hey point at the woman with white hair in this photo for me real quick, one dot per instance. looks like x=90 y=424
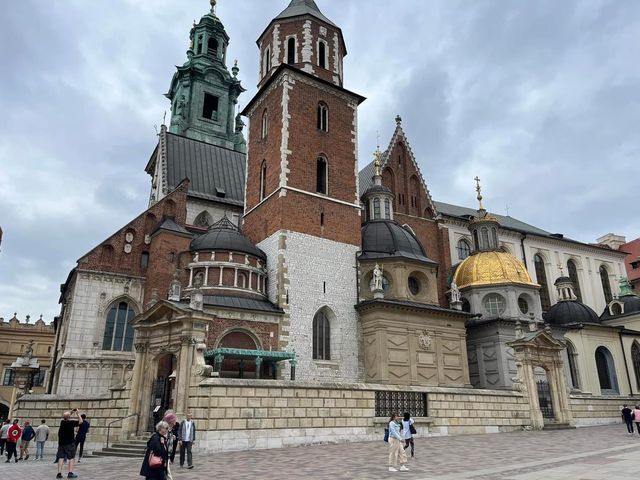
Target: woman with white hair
x=154 y=465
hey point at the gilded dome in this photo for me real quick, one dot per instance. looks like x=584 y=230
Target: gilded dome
x=491 y=268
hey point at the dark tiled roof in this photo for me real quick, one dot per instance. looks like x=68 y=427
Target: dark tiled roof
x=241 y=303
x=215 y=173
x=304 y=7
x=171 y=226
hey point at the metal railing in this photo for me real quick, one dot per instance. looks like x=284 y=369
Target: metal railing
x=116 y=421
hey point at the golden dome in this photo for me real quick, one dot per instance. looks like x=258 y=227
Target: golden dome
x=491 y=268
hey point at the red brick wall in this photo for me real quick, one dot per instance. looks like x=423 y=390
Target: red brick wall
x=220 y=326
x=165 y=246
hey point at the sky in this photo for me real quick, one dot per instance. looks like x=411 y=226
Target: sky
x=540 y=99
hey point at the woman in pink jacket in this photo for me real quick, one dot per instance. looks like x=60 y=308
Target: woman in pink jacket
x=636 y=417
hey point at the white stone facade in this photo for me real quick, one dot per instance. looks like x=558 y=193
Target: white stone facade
x=82 y=366
x=307 y=273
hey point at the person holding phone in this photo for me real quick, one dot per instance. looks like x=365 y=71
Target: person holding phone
x=66 y=441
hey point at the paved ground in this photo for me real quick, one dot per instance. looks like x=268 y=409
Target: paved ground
x=584 y=454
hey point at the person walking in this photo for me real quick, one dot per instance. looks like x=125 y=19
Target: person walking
x=42 y=435
x=626 y=414
x=408 y=430
x=173 y=433
x=27 y=435
x=81 y=436
x=171 y=420
x=4 y=432
x=396 y=445
x=13 y=437
x=187 y=437
x=635 y=415
x=66 y=444
x=156 y=457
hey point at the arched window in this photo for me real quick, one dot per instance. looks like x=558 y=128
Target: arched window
x=265 y=124
x=263 y=180
x=323 y=117
x=464 y=249
x=267 y=61
x=199 y=46
x=321 y=176
x=202 y=220
x=541 y=276
x=606 y=286
x=635 y=358
x=494 y=237
x=606 y=371
x=376 y=208
x=212 y=47
x=106 y=257
x=322 y=54
x=118 y=332
x=321 y=336
x=484 y=234
x=573 y=275
x=291 y=51
x=466 y=306
x=387 y=209
x=573 y=364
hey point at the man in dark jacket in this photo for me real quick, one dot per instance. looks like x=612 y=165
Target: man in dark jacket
x=27 y=435
x=628 y=418
x=81 y=436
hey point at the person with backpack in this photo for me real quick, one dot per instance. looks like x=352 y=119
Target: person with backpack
x=408 y=431
x=13 y=437
x=27 y=435
x=396 y=445
x=626 y=414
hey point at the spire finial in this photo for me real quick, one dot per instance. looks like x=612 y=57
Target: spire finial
x=479 y=190
x=398 y=120
x=213 y=6
x=377 y=163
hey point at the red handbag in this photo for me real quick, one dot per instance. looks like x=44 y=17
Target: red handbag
x=155 y=461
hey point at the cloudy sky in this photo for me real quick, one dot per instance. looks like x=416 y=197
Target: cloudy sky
x=541 y=99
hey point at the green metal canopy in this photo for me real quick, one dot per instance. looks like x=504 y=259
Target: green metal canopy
x=220 y=354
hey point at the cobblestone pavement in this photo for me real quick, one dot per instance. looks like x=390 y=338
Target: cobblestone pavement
x=584 y=454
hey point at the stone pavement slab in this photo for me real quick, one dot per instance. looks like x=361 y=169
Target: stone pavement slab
x=582 y=454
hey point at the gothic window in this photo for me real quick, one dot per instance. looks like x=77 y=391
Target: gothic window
x=322 y=54
x=541 y=276
x=118 y=332
x=387 y=209
x=265 y=124
x=321 y=176
x=144 y=260
x=573 y=365
x=494 y=304
x=106 y=257
x=376 y=208
x=263 y=180
x=464 y=249
x=635 y=358
x=8 y=377
x=202 y=220
x=323 y=117
x=210 y=107
x=573 y=275
x=321 y=337
x=606 y=286
x=212 y=47
x=606 y=371
x=291 y=51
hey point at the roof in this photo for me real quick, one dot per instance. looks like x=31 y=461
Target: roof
x=215 y=173
x=631 y=306
x=570 y=312
x=224 y=235
x=241 y=303
x=491 y=268
x=417 y=305
x=385 y=239
x=304 y=7
x=169 y=225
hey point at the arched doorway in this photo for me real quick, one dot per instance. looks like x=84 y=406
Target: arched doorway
x=545 y=399
x=4 y=412
x=606 y=372
x=238 y=368
x=163 y=389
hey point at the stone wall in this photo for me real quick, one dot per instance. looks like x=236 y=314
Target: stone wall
x=100 y=411
x=590 y=410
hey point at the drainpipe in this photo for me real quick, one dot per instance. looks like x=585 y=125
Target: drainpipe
x=626 y=366
x=524 y=255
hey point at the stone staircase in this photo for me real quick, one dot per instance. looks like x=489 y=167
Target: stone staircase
x=557 y=426
x=132 y=448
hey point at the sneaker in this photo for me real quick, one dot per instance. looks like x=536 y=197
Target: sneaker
x=59 y=475
x=79 y=460
x=393 y=469
x=72 y=475
x=7 y=461
x=189 y=467
x=403 y=468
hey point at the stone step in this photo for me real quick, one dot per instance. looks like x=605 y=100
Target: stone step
x=121 y=452
x=558 y=426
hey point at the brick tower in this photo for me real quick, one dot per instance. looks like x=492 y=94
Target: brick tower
x=301 y=199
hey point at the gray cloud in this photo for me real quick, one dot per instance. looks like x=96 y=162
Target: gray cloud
x=538 y=98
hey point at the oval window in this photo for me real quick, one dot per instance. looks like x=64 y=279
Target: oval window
x=523 y=305
x=414 y=285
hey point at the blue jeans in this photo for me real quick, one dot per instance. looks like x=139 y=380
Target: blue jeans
x=39 y=449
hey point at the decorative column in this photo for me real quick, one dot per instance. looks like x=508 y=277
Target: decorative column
x=131 y=425
x=258 y=365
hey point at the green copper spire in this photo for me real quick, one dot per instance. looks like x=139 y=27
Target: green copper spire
x=203 y=92
x=625 y=287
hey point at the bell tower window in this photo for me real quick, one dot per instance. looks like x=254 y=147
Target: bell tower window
x=321 y=171
x=263 y=180
x=267 y=61
x=322 y=54
x=323 y=117
x=199 y=46
x=265 y=125
x=291 y=51
x=210 y=107
x=212 y=48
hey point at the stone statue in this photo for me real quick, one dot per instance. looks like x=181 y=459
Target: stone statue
x=455 y=292
x=28 y=353
x=239 y=124
x=377 y=278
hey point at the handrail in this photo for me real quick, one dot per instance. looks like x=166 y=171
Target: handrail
x=115 y=421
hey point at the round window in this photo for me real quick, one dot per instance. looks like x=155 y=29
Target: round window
x=523 y=305
x=414 y=285
x=494 y=304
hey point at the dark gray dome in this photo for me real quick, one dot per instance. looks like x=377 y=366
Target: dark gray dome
x=562 y=280
x=631 y=305
x=377 y=189
x=224 y=235
x=386 y=239
x=564 y=313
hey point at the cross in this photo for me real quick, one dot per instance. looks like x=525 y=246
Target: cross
x=479 y=190
x=378 y=139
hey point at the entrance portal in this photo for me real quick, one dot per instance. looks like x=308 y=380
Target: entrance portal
x=163 y=390
x=4 y=412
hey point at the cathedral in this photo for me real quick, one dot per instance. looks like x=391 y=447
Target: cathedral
x=269 y=255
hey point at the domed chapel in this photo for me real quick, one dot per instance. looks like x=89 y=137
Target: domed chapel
x=267 y=257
